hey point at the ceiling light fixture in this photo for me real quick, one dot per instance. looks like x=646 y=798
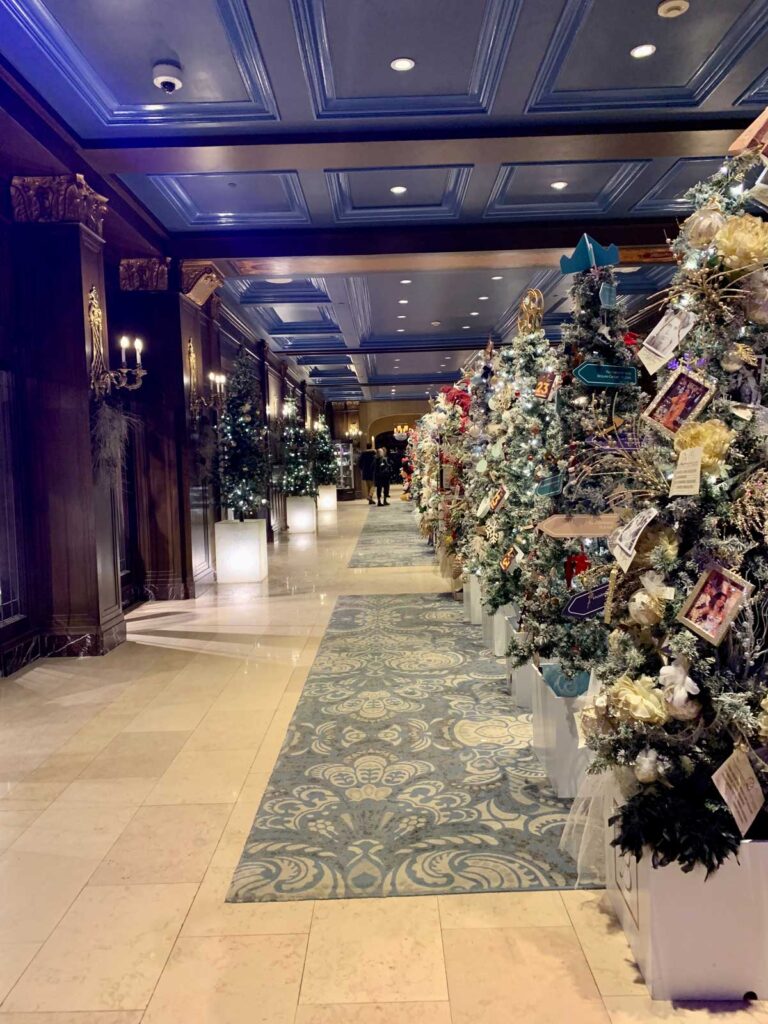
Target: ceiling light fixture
x=497 y=278
x=482 y=298
x=672 y=8
x=642 y=51
x=465 y=327
x=474 y=314
x=436 y=323
x=402 y=302
x=279 y=280
x=402 y=64
x=398 y=190
x=558 y=185
x=401 y=316
x=406 y=280
x=400 y=330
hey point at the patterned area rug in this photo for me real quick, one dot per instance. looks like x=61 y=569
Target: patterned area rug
x=391 y=537
x=405 y=770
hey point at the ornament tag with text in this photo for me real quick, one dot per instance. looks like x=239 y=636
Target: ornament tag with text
x=739 y=787
x=498 y=498
x=687 y=476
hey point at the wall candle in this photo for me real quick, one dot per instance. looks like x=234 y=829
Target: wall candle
x=138 y=345
x=124 y=343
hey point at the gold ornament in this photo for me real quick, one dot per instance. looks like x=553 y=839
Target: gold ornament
x=644 y=608
x=531 y=314
x=743 y=242
x=702 y=226
x=655 y=536
x=712 y=436
x=762 y=720
x=757 y=297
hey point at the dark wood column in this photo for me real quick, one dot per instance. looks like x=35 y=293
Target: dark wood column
x=60 y=323
x=173 y=492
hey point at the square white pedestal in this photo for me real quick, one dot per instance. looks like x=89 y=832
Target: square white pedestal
x=327 y=498
x=475 y=605
x=301 y=512
x=694 y=938
x=556 y=740
x=495 y=632
x=521 y=682
x=466 y=602
x=241 y=551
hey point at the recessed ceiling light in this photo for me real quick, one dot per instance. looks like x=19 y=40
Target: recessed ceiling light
x=672 y=8
x=402 y=302
x=642 y=51
x=279 y=280
x=398 y=190
x=401 y=316
x=465 y=327
x=474 y=314
x=406 y=280
x=402 y=64
x=400 y=330
x=482 y=298
x=436 y=323
x=497 y=278
x=559 y=185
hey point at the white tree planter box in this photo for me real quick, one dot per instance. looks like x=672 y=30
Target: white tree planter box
x=694 y=938
x=302 y=514
x=327 y=498
x=521 y=683
x=475 y=604
x=556 y=739
x=241 y=551
x=466 y=602
x=495 y=632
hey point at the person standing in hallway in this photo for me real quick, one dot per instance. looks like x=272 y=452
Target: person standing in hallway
x=382 y=474
x=367 y=465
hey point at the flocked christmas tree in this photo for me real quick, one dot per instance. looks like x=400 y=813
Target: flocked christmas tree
x=325 y=461
x=243 y=466
x=297 y=478
x=684 y=683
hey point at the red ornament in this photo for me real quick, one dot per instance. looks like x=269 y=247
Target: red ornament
x=631 y=339
x=574 y=566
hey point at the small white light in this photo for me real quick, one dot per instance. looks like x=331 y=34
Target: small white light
x=436 y=323
x=402 y=64
x=400 y=330
x=279 y=280
x=642 y=51
x=497 y=278
x=482 y=298
x=398 y=190
x=465 y=327
x=558 y=185
x=402 y=302
x=474 y=314
x=125 y=341
x=406 y=280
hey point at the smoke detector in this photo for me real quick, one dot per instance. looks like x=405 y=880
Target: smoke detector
x=672 y=8
x=166 y=76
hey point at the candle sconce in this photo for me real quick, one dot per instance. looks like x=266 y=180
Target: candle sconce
x=103 y=380
x=217 y=381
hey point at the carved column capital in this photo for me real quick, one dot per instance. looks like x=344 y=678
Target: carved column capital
x=147 y=274
x=60 y=198
x=199 y=280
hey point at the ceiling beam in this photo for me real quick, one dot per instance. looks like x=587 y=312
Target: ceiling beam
x=321 y=251
x=196 y=156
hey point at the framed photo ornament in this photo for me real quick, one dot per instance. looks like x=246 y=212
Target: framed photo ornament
x=713 y=604
x=682 y=399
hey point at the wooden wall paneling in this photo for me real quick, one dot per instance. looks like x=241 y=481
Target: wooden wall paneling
x=74 y=532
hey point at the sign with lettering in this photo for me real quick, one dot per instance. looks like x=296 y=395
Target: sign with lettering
x=561 y=527
x=498 y=499
x=587 y=604
x=551 y=485
x=601 y=375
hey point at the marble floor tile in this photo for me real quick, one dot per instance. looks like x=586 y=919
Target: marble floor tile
x=106 y=1017
x=230 y=979
x=223 y=729
x=36 y=890
x=210 y=915
x=14 y=959
x=141 y=755
x=8 y=835
x=83 y=831
x=203 y=777
x=605 y=946
x=179 y=717
x=108 y=951
x=374 y=1013
x=502 y=910
x=540 y=972
x=375 y=951
x=164 y=844
x=126 y=792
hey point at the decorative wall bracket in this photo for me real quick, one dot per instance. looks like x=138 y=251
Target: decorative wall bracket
x=198 y=402
x=148 y=274
x=60 y=198
x=103 y=380
x=199 y=280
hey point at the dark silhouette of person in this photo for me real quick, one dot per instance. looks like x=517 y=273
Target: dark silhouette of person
x=382 y=474
x=367 y=466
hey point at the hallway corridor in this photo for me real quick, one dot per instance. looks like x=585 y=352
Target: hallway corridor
x=129 y=785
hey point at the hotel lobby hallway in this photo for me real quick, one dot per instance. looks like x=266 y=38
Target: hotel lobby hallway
x=129 y=786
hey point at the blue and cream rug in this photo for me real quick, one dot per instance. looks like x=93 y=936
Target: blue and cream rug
x=390 y=537
x=405 y=770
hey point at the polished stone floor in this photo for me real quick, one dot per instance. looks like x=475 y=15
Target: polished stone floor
x=127 y=788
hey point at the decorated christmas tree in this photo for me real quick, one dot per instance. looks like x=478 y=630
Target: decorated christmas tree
x=243 y=465
x=325 y=462
x=595 y=406
x=297 y=478
x=682 y=713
